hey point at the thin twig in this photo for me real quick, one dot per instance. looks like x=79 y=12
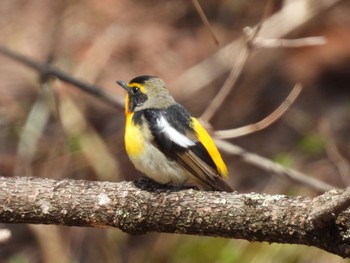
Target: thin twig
x=274 y=27
x=32 y=131
x=273 y=117
x=205 y=20
x=47 y=70
x=289 y=43
x=235 y=72
x=340 y=162
x=273 y=167
x=226 y=88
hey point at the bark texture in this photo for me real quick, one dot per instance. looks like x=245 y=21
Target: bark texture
x=141 y=207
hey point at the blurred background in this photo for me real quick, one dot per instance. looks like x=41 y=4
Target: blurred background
x=50 y=129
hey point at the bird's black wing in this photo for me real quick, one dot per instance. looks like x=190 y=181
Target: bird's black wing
x=175 y=137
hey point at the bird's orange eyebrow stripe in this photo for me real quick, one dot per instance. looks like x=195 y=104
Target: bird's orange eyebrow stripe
x=137 y=85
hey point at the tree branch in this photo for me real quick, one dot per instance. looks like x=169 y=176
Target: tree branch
x=205 y=20
x=46 y=71
x=141 y=207
x=276 y=168
x=278 y=25
x=264 y=123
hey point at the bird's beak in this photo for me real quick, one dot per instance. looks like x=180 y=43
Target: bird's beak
x=123 y=85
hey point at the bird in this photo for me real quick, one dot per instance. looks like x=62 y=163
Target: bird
x=165 y=142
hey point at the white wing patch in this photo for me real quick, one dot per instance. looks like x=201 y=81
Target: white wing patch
x=172 y=134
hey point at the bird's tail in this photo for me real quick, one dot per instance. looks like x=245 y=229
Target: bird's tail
x=220 y=185
x=215 y=184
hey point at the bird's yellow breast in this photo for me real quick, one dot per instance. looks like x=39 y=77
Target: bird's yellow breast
x=134 y=141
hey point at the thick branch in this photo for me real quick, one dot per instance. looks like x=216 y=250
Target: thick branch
x=138 y=208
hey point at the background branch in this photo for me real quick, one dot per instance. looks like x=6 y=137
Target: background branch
x=205 y=20
x=274 y=27
x=273 y=167
x=289 y=43
x=264 y=123
x=142 y=207
x=46 y=71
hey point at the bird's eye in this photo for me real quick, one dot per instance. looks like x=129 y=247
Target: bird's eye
x=135 y=90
